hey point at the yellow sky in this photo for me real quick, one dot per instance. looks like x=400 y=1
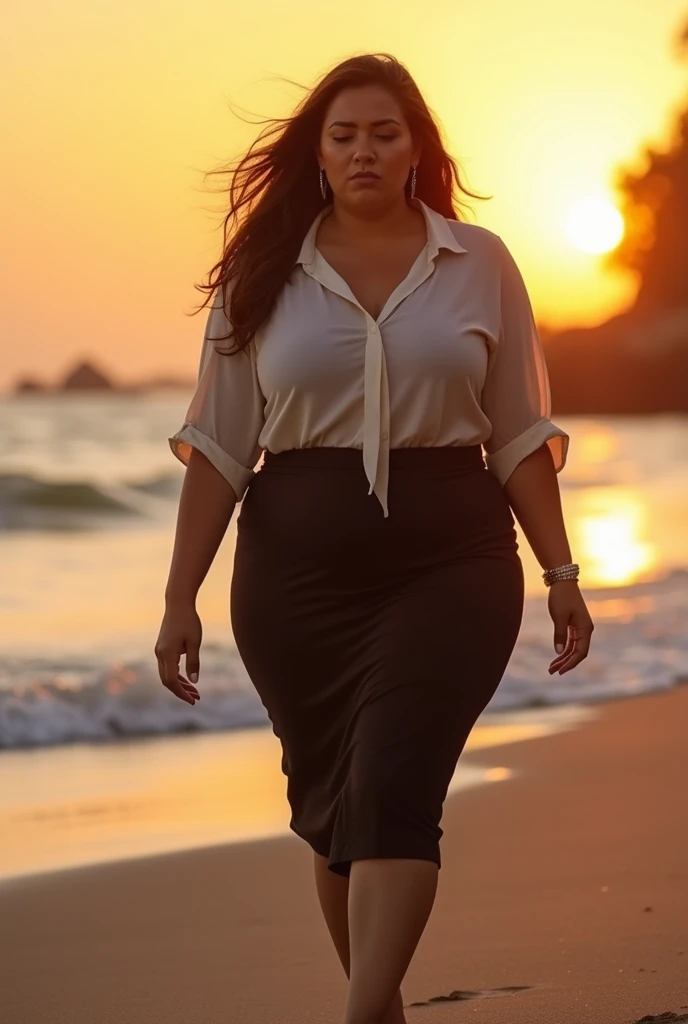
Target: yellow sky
x=111 y=111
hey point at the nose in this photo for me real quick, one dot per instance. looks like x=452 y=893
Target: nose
x=364 y=153
x=363 y=163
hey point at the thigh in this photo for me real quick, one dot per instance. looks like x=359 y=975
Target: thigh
x=453 y=629
x=442 y=648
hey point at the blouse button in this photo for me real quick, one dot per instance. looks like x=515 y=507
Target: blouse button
x=385 y=435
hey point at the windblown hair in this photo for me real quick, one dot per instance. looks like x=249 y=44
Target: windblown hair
x=274 y=190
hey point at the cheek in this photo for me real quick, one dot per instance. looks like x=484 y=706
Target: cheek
x=335 y=156
x=397 y=155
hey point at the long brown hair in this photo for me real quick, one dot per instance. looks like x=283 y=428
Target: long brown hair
x=274 y=191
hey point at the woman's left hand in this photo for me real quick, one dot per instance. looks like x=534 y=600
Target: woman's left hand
x=572 y=625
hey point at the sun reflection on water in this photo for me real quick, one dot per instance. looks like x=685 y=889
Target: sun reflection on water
x=612 y=528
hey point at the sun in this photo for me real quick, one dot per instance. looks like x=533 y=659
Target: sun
x=594 y=225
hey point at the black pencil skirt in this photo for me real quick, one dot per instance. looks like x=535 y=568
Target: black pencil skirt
x=374 y=643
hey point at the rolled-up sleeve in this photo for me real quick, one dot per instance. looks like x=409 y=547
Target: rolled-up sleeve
x=516 y=395
x=226 y=414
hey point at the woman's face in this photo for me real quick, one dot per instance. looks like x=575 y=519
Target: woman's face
x=365 y=130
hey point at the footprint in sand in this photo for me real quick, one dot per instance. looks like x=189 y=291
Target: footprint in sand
x=663 y=1018
x=467 y=993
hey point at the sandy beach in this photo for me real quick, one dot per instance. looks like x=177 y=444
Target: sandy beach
x=563 y=897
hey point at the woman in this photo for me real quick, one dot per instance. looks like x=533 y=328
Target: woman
x=377 y=591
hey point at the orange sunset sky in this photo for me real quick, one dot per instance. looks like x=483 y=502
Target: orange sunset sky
x=112 y=111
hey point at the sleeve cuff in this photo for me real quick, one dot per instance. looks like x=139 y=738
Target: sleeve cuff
x=503 y=462
x=190 y=437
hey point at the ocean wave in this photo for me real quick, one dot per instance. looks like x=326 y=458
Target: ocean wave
x=29 y=502
x=81 y=702
x=640 y=645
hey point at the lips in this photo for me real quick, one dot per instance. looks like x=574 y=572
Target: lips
x=366 y=174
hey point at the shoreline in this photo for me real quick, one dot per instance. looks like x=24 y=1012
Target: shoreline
x=562 y=897
x=164 y=794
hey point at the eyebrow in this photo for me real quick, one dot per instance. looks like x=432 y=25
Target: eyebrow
x=352 y=124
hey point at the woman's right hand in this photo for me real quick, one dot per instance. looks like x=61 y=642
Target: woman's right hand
x=180 y=633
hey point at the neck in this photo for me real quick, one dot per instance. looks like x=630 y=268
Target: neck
x=382 y=222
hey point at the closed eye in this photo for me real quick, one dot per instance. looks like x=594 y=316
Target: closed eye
x=345 y=138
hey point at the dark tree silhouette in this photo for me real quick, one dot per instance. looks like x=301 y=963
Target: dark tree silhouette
x=655 y=209
x=636 y=362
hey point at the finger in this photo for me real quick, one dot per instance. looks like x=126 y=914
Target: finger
x=192 y=662
x=569 y=649
x=571 y=663
x=189 y=687
x=573 y=634
x=573 y=646
x=561 y=639
x=178 y=690
x=560 y=662
x=170 y=667
x=580 y=653
x=565 y=657
x=170 y=676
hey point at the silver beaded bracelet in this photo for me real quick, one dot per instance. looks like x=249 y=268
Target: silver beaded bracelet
x=561 y=572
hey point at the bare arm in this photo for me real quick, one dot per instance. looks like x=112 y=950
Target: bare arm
x=206 y=505
x=533 y=493
x=532 y=490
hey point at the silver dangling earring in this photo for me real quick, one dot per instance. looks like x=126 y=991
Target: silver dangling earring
x=323 y=184
x=413 y=183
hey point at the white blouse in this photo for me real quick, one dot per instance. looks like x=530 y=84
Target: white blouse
x=454 y=358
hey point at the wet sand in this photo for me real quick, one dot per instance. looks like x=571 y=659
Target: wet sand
x=563 y=897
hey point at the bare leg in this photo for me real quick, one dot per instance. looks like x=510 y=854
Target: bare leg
x=389 y=905
x=333 y=893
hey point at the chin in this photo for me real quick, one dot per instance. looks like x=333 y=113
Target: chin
x=371 y=195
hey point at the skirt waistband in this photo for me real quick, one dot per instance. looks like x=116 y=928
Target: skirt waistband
x=422 y=458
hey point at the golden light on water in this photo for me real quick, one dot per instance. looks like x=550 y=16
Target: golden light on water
x=594 y=225
x=597 y=447
x=621 y=609
x=612 y=529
